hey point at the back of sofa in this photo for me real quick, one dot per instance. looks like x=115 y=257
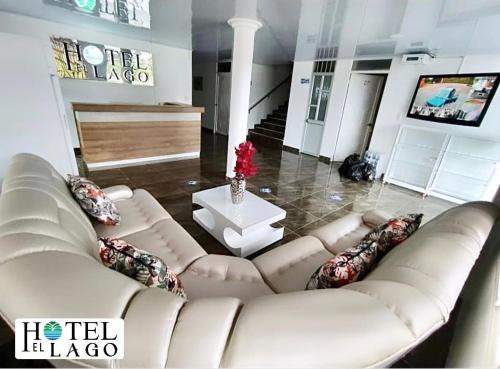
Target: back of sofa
x=36 y=200
x=48 y=246
x=373 y=322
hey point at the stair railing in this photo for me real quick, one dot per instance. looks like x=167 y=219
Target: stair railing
x=270 y=92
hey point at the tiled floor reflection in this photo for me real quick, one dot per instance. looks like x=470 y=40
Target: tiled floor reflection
x=311 y=192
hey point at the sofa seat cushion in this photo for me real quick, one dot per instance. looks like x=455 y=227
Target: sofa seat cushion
x=140 y=265
x=290 y=266
x=342 y=233
x=223 y=276
x=149 y=227
x=170 y=242
x=316 y=329
x=138 y=213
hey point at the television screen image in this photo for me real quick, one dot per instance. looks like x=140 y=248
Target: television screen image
x=461 y=99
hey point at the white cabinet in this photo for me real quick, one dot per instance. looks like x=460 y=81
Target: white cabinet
x=452 y=167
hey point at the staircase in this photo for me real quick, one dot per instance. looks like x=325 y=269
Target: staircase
x=271 y=130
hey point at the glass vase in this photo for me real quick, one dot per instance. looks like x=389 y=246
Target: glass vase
x=237 y=186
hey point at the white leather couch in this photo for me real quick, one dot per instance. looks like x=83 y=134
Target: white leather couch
x=240 y=313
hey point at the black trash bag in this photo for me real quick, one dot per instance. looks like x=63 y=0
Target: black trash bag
x=352 y=168
x=369 y=172
x=350 y=160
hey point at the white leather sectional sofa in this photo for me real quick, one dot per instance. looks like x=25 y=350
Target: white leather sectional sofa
x=239 y=313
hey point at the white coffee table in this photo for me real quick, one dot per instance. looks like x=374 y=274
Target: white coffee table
x=243 y=228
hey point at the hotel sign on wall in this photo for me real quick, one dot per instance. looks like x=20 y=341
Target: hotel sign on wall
x=132 y=12
x=77 y=59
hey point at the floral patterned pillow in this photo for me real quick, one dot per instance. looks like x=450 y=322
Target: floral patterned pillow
x=395 y=231
x=93 y=200
x=139 y=265
x=349 y=266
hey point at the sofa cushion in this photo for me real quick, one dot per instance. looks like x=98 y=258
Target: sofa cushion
x=349 y=266
x=170 y=242
x=93 y=200
x=138 y=213
x=148 y=269
x=393 y=232
x=289 y=267
x=224 y=276
x=342 y=233
x=316 y=329
x=148 y=226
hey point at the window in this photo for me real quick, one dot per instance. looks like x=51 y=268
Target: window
x=320 y=94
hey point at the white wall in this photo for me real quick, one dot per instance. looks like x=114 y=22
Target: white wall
x=400 y=85
x=335 y=108
x=31 y=118
x=297 y=104
x=172 y=66
x=299 y=98
x=264 y=79
x=206 y=97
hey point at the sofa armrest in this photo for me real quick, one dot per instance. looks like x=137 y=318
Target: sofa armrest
x=374 y=218
x=116 y=193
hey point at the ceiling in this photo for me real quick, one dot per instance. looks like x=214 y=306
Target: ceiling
x=305 y=29
x=365 y=29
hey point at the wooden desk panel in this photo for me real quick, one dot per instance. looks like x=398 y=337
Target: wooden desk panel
x=133 y=108
x=114 y=141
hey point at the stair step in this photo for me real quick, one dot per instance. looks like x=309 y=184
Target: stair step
x=259 y=139
x=269 y=132
x=272 y=126
x=279 y=114
x=266 y=120
x=274 y=119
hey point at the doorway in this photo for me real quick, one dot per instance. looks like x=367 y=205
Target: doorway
x=360 y=112
x=223 y=101
x=316 y=113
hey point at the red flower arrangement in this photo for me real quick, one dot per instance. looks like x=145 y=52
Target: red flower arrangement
x=244 y=154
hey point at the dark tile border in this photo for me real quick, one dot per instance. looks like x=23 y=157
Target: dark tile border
x=324 y=159
x=291 y=149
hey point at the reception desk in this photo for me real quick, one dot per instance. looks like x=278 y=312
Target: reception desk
x=114 y=135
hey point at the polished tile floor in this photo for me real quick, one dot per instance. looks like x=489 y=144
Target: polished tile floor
x=311 y=192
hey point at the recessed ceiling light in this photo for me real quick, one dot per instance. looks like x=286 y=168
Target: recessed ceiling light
x=265 y=189
x=192 y=183
x=335 y=196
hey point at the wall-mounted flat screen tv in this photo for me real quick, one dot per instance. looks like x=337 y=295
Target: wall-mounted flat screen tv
x=461 y=99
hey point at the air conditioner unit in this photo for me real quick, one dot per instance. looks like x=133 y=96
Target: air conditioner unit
x=417 y=58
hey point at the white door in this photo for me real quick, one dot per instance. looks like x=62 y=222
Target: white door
x=360 y=111
x=316 y=113
x=223 y=101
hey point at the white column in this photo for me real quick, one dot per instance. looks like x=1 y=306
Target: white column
x=241 y=77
